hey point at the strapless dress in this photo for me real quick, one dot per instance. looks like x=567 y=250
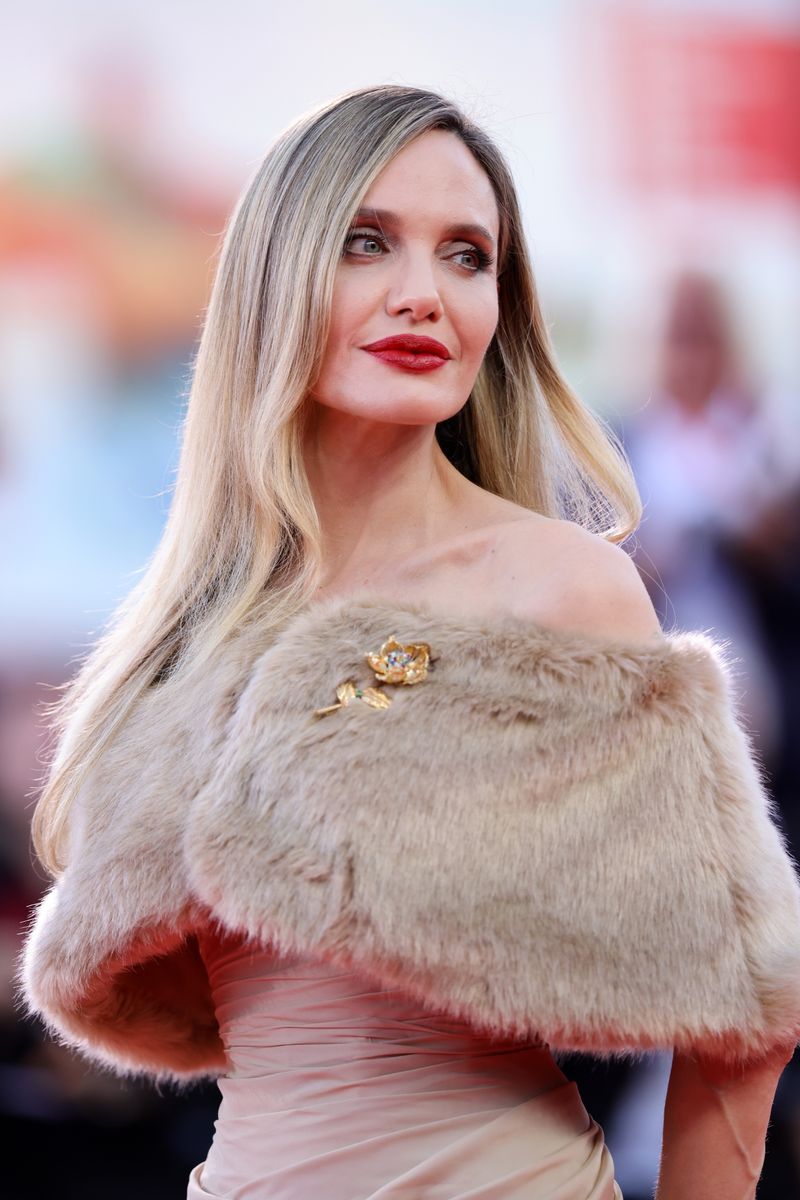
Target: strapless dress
x=340 y=1089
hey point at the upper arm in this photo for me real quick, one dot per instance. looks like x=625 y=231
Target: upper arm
x=581 y=583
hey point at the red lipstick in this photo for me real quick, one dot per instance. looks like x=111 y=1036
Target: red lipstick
x=409 y=352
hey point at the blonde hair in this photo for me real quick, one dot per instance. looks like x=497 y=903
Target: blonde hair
x=242 y=540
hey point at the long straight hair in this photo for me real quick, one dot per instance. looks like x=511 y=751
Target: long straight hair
x=242 y=539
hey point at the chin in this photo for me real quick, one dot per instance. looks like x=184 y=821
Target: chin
x=412 y=407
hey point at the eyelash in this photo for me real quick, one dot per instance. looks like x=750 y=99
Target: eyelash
x=484 y=260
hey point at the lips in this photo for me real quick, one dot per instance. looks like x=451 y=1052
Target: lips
x=410 y=352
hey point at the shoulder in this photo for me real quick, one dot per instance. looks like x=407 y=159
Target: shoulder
x=559 y=574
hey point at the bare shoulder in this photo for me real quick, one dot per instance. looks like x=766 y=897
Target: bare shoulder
x=561 y=575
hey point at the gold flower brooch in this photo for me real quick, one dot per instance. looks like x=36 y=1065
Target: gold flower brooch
x=394 y=663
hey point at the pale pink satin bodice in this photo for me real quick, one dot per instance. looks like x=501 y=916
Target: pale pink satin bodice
x=339 y=1089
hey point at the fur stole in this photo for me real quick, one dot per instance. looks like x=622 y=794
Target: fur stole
x=549 y=835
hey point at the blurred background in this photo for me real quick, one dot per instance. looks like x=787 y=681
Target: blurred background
x=656 y=145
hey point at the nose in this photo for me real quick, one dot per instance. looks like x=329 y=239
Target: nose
x=413 y=289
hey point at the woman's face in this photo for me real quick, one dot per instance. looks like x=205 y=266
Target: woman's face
x=419 y=260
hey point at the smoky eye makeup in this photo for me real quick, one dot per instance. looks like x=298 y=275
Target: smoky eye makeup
x=483 y=260
x=367 y=235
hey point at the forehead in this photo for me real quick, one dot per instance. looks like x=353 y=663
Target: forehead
x=436 y=176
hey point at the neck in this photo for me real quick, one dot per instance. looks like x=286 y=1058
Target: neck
x=381 y=491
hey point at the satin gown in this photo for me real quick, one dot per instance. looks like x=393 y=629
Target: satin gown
x=339 y=1089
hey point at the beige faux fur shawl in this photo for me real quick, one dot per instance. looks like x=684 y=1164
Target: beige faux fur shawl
x=548 y=835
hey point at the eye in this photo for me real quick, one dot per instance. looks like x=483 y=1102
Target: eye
x=371 y=240
x=480 y=259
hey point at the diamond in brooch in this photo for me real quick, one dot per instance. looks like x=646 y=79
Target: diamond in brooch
x=396 y=663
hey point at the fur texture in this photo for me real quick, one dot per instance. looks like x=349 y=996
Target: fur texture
x=551 y=835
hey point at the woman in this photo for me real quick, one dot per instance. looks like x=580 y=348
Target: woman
x=372 y=911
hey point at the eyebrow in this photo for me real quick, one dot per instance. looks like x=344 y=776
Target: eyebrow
x=466 y=229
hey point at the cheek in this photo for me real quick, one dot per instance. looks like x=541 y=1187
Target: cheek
x=346 y=321
x=480 y=323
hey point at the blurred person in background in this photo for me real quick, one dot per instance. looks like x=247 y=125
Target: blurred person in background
x=712 y=457
x=717 y=461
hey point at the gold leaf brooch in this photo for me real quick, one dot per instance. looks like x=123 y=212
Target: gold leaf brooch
x=394 y=663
